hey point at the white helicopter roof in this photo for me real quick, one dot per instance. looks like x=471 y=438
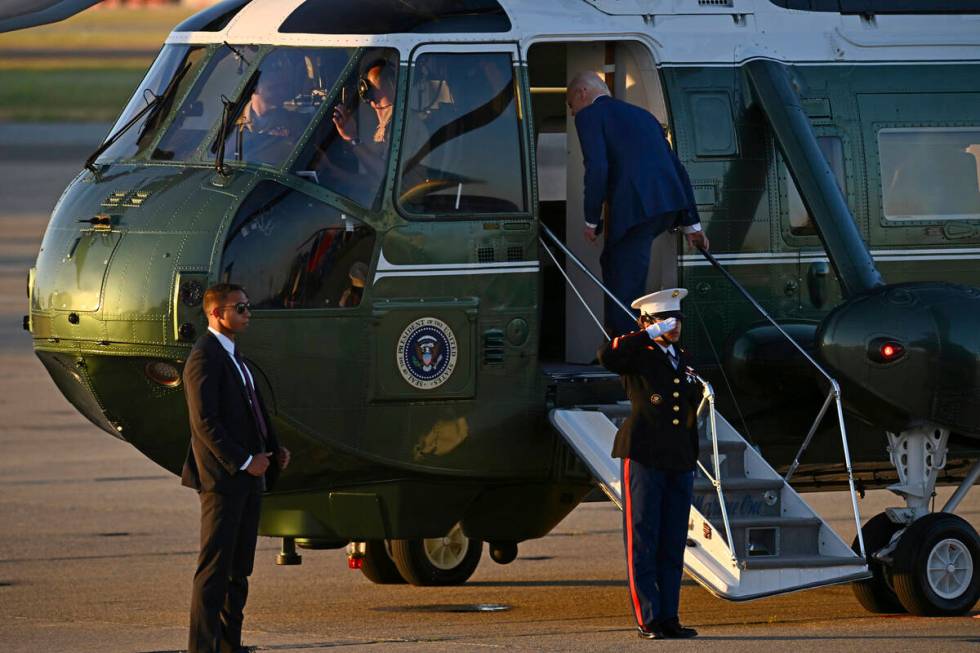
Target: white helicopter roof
x=678 y=32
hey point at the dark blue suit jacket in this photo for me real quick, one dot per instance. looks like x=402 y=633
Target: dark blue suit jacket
x=629 y=164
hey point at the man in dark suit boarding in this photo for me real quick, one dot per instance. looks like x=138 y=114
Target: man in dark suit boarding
x=631 y=170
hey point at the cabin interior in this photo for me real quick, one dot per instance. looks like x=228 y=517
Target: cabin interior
x=631 y=75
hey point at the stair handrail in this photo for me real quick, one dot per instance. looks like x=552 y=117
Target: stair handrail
x=708 y=395
x=708 y=392
x=833 y=395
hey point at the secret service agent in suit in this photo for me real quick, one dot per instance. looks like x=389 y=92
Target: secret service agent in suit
x=658 y=445
x=233 y=456
x=630 y=168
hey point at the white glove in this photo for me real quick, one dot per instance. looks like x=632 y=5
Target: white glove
x=657 y=329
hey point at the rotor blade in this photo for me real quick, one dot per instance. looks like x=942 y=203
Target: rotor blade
x=21 y=14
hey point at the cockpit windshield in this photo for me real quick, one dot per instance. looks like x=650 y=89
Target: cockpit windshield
x=203 y=106
x=265 y=103
x=279 y=102
x=166 y=81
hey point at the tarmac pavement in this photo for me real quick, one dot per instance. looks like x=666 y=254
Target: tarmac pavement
x=98 y=544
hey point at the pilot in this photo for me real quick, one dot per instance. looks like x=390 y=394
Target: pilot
x=265 y=113
x=352 y=295
x=658 y=446
x=376 y=87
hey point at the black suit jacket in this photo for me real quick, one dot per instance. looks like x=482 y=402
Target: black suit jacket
x=662 y=430
x=223 y=430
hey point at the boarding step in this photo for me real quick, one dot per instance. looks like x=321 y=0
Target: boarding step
x=744 y=497
x=731 y=457
x=773 y=536
x=778 y=543
x=802 y=562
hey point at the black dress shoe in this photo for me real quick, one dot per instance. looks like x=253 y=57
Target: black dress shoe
x=650 y=632
x=672 y=629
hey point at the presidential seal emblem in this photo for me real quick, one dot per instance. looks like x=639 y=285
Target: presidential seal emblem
x=427 y=353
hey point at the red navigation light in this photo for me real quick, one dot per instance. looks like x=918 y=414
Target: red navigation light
x=891 y=351
x=355 y=563
x=884 y=350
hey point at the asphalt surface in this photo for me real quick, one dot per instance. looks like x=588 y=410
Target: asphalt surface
x=97 y=544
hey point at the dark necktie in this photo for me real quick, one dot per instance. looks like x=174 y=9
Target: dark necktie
x=672 y=354
x=253 y=399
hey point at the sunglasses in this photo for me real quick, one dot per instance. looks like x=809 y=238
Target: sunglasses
x=241 y=307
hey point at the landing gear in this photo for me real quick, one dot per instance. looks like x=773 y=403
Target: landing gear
x=930 y=567
x=377 y=565
x=876 y=594
x=935 y=565
x=448 y=560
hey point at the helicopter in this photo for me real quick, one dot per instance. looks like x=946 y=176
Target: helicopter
x=396 y=187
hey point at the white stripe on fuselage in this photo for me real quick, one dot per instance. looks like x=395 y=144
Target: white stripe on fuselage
x=388 y=269
x=880 y=256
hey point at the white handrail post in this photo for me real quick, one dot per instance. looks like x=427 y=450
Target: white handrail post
x=709 y=394
x=847 y=461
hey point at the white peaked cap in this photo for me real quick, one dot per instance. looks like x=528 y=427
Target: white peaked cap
x=663 y=301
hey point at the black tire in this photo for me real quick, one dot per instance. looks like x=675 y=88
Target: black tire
x=937 y=534
x=377 y=565
x=418 y=567
x=876 y=594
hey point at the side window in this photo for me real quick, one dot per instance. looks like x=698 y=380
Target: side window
x=291 y=251
x=800 y=221
x=930 y=173
x=462 y=151
x=348 y=152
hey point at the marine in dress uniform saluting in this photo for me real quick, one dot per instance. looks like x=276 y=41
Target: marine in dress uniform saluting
x=658 y=445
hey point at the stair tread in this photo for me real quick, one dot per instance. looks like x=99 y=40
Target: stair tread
x=790 y=562
x=739 y=484
x=776 y=520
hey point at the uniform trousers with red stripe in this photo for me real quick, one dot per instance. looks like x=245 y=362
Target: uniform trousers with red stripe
x=657 y=505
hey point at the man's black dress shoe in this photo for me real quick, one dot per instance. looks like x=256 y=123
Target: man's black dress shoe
x=672 y=629
x=650 y=632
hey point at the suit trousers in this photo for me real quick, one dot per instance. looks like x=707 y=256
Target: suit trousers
x=625 y=266
x=657 y=506
x=229 y=529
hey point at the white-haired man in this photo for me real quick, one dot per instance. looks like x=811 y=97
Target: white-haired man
x=630 y=168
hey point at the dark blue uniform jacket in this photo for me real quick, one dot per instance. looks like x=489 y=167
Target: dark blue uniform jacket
x=662 y=430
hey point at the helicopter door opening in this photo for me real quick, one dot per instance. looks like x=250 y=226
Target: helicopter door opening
x=632 y=76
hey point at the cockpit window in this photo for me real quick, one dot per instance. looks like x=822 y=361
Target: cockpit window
x=203 y=106
x=396 y=16
x=461 y=152
x=291 y=251
x=164 y=83
x=348 y=152
x=279 y=103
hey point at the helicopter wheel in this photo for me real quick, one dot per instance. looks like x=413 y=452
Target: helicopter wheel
x=377 y=565
x=448 y=560
x=876 y=593
x=935 y=568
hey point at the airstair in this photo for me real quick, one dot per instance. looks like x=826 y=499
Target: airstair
x=750 y=534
